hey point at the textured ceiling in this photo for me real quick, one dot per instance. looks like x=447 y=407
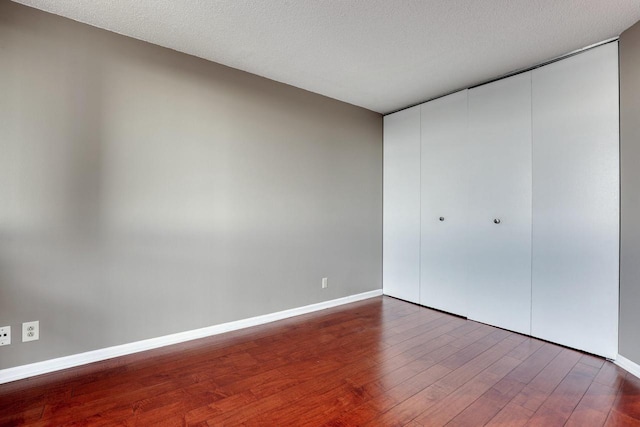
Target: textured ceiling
x=379 y=54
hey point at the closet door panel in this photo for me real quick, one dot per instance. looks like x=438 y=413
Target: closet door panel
x=576 y=201
x=500 y=264
x=401 y=206
x=445 y=163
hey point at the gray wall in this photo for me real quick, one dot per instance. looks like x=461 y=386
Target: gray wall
x=630 y=194
x=145 y=192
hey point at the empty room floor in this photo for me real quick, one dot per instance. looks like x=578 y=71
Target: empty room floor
x=378 y=362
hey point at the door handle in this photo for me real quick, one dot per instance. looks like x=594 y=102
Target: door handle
x=496 y=221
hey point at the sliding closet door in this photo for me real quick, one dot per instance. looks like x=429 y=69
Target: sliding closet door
x=401 y=207
x=446 y=162
x=575 y=201
x=500 y=235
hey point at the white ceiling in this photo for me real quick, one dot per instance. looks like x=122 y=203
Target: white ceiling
x=379 y=54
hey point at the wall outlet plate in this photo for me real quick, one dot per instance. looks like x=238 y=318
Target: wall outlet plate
x=325 y=282
x=31 y=331
x=5 y=335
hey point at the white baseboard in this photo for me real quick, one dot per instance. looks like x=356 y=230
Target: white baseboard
x=628 y=365
x=39 y=368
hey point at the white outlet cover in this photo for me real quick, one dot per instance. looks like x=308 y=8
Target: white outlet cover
x=31 y=331
x=5 y=335
x=325 y=282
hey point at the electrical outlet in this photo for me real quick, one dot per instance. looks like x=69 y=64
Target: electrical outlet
x=31 y=331
x=5 y=335
x=325 y=282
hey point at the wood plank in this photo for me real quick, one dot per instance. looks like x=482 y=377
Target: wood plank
x=627 y=404
x=512 y=415
x=497 y=397
x=449 y=407
x=619 y=419
x=594 y=406
x=560 y=404
x=415 y=405
x=540 y=387
x=376 y=362
x=394 y=387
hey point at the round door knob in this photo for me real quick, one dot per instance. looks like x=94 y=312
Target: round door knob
x=441 y=218
x=496 y=221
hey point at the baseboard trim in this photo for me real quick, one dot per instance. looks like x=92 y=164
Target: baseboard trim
x=629 y=366
x=52 y=365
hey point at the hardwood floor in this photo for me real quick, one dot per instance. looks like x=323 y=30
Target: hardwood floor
x=379 y=362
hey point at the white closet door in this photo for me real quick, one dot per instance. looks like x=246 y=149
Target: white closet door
x=500 y=268
x=576 y=201
x=445 y=163
x=401 y=211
